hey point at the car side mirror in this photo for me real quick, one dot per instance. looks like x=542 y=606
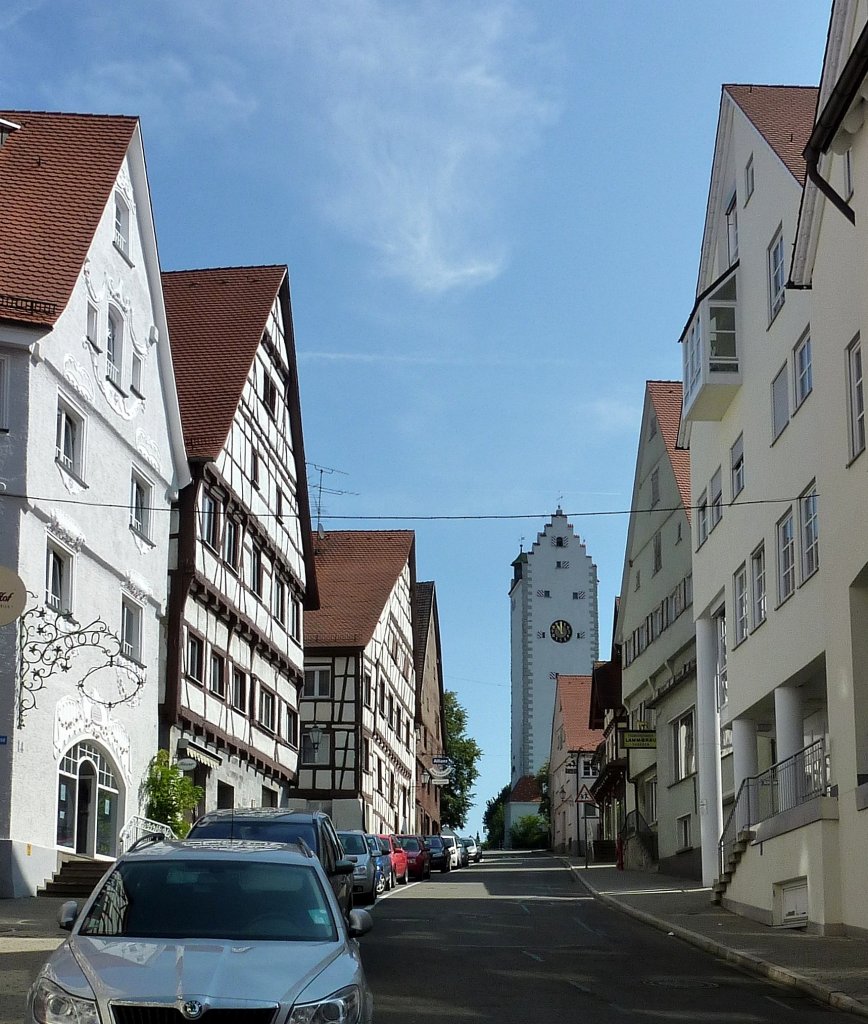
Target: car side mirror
x=344 y=867
x=67 y=914
x=360 y=923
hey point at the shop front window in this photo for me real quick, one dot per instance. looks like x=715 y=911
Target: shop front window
x=88 y=802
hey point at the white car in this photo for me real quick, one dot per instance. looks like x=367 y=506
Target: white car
x=179 y=929
x=451 y=844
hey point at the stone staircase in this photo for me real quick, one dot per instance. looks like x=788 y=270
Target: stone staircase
x=720 y=885
x=76 y=878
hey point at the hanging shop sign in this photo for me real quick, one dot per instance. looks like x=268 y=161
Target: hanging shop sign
x=638 y=739
x=13 y=596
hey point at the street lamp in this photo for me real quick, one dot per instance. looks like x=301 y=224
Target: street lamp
x=315 y=737
x=424 y=778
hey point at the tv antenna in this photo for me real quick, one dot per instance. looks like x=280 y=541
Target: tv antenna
x=321 y=489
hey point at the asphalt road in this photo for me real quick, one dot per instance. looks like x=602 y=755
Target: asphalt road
x=517 y=939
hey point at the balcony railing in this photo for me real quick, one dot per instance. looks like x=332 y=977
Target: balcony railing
x=137 y=827
x=785 y=785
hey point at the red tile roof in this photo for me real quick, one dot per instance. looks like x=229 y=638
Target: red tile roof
x=526 y=791
x=356 y=571
x=216 y=321
x=574 y=698
x=667 y=397
x=57 y=173
x=783 y=115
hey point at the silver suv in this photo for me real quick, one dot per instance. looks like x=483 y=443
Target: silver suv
x=252 y=929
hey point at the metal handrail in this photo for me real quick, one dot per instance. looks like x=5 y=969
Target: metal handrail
x=784 y=785
x=137 y=827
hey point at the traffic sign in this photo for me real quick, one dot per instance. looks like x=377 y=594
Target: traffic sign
x=572 y=769
x=585 y=797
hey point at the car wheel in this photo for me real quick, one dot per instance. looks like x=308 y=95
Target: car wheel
x=381 y=884
x=405 y=878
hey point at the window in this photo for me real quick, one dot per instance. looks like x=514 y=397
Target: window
x=291 y=726
x=136 y=374
x=4 y=394
x=720 y=675
x=140 y=505
x=92 y=329
x=391 y=710
x=266 y=709
x=847 y=160
x=131 y=629
x=777 y=277
x=804 y=373
x=114 y=347
x=732 y=230
x=786 y=557
x=122 y=226
x=716 y=498
x=210 y=520
x=317 y=682
x=856 y=398
x=239 y=689
x=279 y=600
x=230 y=543
x=748 y=180
x=69 y=439
x=217 y=678
x=295 y=618
x=702 y=524
x=278 y=505
x=682 y=736
x=318 y=753
x=256 y=570
x=758 y=584
x=736 y=462
x=58 y=579
x=369 y=690
x=780 y=403
x=740 y=603
x=810 y=530
x=655 y=487
x=658 y=551
x=682 y=826
x=269 y=394
x=254 y=467
x=195 y=657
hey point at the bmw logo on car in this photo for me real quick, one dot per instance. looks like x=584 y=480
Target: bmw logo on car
x=192 y=1009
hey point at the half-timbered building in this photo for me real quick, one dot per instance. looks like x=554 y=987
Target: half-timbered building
x=358 y=708
x=241 y=568
x=430 y=715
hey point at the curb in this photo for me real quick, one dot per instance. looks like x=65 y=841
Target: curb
x=757 y=966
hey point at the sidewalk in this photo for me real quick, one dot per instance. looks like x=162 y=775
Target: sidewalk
x=832 y=969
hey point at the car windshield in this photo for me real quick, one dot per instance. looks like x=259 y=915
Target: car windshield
x=435 y=842
x=212 y=899
x=409 y=843
x=263 y=830
x=385 y=846
x=353 y=843
x=448 y=841
x=374 y=846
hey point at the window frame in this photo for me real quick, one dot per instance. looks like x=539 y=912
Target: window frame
x=809 y=531
x=749 y=179
x=655 y=486
x=786 y=555
x=257 y=569
x=266 y=697
x=856 y=397
x=758 y=585
x=803 y=373
x=143 y=525
x=232 y=543
x=313 y=688
x=321 y=754
x=68 y=415
x=684 y=753
x=194 y=642
x=114 y=347
x=122 y=222
x=780 y=380
x=715 y=498
x=217 y=679
x=702 y=519
x=736 y=466
x=209 y=519
x=741 y=604
x=131 y=612
x=63 y=604
x=777 y=277
x=238 y=689
x=731 y=215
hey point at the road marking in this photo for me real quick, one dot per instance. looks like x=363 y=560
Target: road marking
x=533 y=956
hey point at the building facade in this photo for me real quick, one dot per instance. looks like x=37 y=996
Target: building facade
x=91 y=455
x=572 y=767
x=241 y=554
x=358 y=706
x=430 y=722
x=554 y=629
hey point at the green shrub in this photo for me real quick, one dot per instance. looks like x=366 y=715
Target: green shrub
x=170 y=795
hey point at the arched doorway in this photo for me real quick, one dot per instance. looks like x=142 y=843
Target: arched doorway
x=89 y=802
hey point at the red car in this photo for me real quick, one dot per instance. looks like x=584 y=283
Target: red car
x=418 y=856
x=400 y=868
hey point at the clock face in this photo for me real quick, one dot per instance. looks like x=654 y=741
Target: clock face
x=561 y=631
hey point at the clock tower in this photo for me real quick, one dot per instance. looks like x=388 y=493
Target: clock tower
x=554 y=630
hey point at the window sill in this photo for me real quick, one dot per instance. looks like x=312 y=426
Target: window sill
x=142 y=535
x=125 y=256
x=789 y=596
x=758 y=625
x=94 y=344
x=776 y=313
x=809 y=577
x=779 y=434
x=854 y=458
x=116 y=386
x=70 y=472
x=135 y=391
x=194 y=680
x=216 y=693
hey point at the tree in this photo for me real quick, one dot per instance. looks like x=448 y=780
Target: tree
x=456 y=797
x=493 y=819
x=169 y=794
x=545 y=804
x=530 y=833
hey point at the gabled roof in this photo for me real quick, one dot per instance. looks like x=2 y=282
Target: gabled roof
x=423 y=600
x=526 y=791
x=57 y=172
x=216 y=322
x=356 y=572
x=667 y=397
x=783 y=115
x=605 y=691
x=574 y=698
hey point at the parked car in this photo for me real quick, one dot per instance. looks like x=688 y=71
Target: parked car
x=383 y=860
x=474 y=852
x=451 y=844
x=366 y=869
x=399 y=858
x=278 y=825
x=418 y=856
x=165 y=933
x=440 y=857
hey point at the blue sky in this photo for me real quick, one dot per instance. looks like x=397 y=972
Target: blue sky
x=491 y=212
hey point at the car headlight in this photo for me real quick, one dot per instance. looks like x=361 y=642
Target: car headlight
x=52 y=1005
x=342 y=1007
x=360 y=870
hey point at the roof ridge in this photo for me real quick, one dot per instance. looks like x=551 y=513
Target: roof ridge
x=241 y=266
x=73 y=113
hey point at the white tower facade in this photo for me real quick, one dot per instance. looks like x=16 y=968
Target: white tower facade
x=554 y=629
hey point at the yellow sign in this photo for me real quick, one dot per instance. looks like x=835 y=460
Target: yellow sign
x=638 y=739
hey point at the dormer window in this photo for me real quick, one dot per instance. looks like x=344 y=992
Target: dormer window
x=122 y=226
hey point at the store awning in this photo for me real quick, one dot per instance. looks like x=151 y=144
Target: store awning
x=200 y=754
